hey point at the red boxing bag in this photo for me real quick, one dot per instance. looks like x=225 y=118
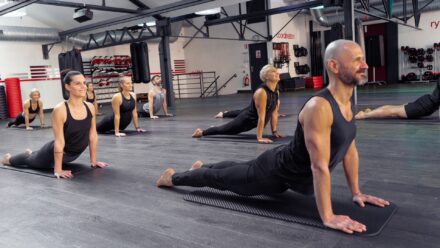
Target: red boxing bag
x=13 y=96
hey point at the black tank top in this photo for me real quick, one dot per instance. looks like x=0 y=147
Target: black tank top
x=76 y=132
x=90 y=100
x=31 y=111
x=294 y=160
x=271 y=104
x=125 y=111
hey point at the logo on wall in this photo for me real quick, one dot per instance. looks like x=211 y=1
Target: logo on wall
x=435 y=24
x=286 y=36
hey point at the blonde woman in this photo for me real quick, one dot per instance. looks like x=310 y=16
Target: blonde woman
x=31 y=108
x=124 y=111
x=263 y=108
x=91 y=97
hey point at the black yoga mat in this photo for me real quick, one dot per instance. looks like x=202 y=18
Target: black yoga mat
x=127 y=132
x=74 y=167
x=23 y=127
x=294 y=207
x=245 y=138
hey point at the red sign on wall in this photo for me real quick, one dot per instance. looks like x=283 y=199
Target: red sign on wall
x=286 y=36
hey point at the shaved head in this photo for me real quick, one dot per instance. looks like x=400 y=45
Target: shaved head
x=335 y=49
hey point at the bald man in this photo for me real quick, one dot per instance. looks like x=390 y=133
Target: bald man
x=124 y=111
x=324 y=137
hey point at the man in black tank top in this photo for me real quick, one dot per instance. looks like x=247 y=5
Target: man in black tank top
x=324 y=137
x=263 y=108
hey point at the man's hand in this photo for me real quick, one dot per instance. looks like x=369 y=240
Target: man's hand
x=345 y=224
x=361 y=199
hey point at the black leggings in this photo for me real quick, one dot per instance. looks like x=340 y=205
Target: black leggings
x=238 y=125
x=232 y=113
x=41 y=159
x=19 y=120
x=424 y=105
x=107 y=124
x=242 y=178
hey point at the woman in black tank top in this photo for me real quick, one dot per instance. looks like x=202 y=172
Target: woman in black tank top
x=91 y=97
x=124 y=110
x=262 y=109
x=31 y=108
x=74 y=128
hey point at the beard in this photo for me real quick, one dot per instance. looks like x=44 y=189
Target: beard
x=350 y=79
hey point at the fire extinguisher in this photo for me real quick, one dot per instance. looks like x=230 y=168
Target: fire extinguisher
x=246 y=80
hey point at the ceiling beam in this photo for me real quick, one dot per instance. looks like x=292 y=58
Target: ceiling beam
x=89 y=6
x=13 y=6
x=142 y=14
x=284 y=9
x=141 y=5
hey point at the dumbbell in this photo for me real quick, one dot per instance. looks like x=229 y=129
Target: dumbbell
x=428 y=75
x=429 y=51
x=429 y=67
x=420 y=65
x=412 y=51
x=421 y=58
x=411 y=76
x=429 y=58
x=420 y=51
x=412 y=59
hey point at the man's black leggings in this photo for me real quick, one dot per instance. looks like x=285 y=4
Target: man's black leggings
x=242 y=178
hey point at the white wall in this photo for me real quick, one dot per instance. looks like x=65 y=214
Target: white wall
x=425 y=38
x=225 y=57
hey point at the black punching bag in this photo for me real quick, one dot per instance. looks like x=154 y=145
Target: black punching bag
x=134 y=63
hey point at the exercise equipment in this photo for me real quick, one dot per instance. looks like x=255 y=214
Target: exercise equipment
x=299 y=51
x=245 y=138
x=294 y=207
x=301 y=69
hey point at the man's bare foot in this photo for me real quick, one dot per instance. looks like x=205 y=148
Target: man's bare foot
x=165 y=178
x=197 y=165
x=219 y=115
x=198 y=133
x=28 y=151
x=6 y=159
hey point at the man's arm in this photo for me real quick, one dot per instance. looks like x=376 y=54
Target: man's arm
x=351 y=169
x=316 y=119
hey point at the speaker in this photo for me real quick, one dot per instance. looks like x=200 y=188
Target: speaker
x=82 y=15
x=255 y=6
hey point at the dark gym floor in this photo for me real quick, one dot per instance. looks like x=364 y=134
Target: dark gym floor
x=120 y=206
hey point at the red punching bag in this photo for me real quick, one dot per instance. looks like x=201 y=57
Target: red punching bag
x=13 y=96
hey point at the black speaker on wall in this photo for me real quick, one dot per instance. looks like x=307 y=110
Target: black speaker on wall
x=253 y=7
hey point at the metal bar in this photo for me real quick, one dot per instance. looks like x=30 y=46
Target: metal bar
x=279 y=10
x=420 y=10
x=191 y=38
x=149 y=29
x=13 y=6
x=269 y=33
x=142 y=6
x=141 y=32
x=365 y=4
x=386 y=19
x=203 y=93
x=405 y=18
x=199 y=29
x=349 y=19
x=140 y=15
x=224 y=85
x=213 y=38
x=379 y=10
x=144 y=38
x=226 y=14
x=385 y=7
x=241 y=23
x=416 y=12
x=297 y=13
x=89 y=6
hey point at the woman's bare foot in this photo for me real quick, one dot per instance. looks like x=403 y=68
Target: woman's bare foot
x=198 y=133
x=362 y=114
x=6 y=159
x=197 y=165
x=28 y=151
x=165 y=179
x=219 y=115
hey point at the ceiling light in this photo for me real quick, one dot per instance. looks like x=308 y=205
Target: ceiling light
x=209 y=11
x=318 y=7
x=149 y=24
